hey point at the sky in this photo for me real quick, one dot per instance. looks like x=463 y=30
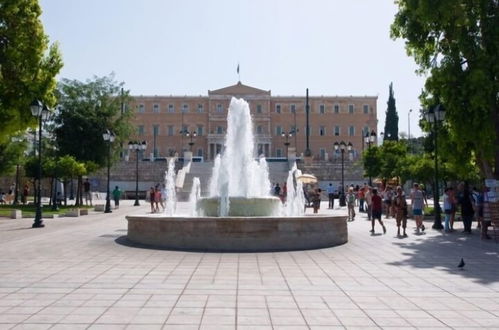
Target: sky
x=187 y=47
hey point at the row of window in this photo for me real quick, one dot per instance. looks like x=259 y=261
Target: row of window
x=278 y=130
x=321 y=108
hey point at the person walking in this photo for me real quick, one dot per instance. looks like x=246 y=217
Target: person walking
x=330 y=195
x=418 y=202
x=467 y=211
x=157 y=198
x=350 y=198
x=86 y=192
x=316 y=200
x=377 y=209
x=24 y=197
x=150 y=198
x=369 y=202
x=400 y=205
x=116 y=197
x=448 y=195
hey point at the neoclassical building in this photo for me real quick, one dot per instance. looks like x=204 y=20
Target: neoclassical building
x=161 y=119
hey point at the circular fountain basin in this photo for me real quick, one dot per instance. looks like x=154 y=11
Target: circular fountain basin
x=238 y=234
x=240 y=206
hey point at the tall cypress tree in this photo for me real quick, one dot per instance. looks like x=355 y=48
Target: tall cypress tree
x=392 y=118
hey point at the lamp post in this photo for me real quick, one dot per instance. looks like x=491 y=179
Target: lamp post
x=191 y=135
x=108 y=136
x=409 y=129
x=137 y=146
x=342 y=146
x=434 y=115
x=287 y=135
x=370 y=138
x=41 y=112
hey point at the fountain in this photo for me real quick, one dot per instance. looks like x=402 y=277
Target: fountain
x=239 y=213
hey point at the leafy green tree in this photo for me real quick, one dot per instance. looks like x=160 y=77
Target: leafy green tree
x=28 y=65
x=11 y=155
x=392 y=118
x=371 y=162
x=67 y=169
x=86 y=110
x=455 y=42
x=392 y=155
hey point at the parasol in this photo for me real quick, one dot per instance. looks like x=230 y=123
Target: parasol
x=307 y=178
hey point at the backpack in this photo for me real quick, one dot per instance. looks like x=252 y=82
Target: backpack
x=351 y=198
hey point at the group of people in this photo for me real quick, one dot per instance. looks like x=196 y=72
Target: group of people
x=157 y=197
x=280 y=191
x=9 y=197
x=471 y=203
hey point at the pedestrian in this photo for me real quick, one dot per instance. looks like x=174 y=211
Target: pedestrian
x=350 y=199
x=25 y=195
x=157 y=198
x=163 y=196
x=277 y=190
x=377 y=209
x=448 y=192
x=2 y=197
x=284 y=192
x=316 y=200
x=482 y=197
x=362 y=198
x=330 y=195
x=418 y=201
x=387 y=200
x=86 y=192
x=400 y=206
x=150 y=198
x=116 y=197
x=369 y=202
x=467 y=211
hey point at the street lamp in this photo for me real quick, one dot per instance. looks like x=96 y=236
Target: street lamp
x=108 y=136
x=190 y=135
x=434 y=115
x=409 y=129
x=137 y=146
x=342 y=146
x=41 y=112
x=287 y=135
x=370 y=138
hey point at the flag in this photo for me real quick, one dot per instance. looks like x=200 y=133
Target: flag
x=238 y=68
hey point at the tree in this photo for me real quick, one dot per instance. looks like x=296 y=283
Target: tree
x=86 y=110
x=11 y=154
x=28 y=65
x=392 y=118
x=455 y=43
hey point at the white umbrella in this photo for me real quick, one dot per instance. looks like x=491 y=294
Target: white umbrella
x=307 y=178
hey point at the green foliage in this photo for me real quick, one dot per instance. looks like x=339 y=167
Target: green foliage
x=455 y=42
x=371 y=162
x=86 y=111
x=392 y=119
x=387 y=161
x=28 y=65
x=68 y=168
x=11 y=154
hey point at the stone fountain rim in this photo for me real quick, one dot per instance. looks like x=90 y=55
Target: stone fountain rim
x=310 y=217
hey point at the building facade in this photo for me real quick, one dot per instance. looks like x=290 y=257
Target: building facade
x=161 y=119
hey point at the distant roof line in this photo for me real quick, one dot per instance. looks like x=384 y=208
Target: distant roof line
x=272 y=96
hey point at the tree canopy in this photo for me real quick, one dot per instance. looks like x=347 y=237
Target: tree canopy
x=28 y=65
x=456 y=43
x=86 y=110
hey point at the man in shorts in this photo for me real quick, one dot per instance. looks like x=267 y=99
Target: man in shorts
x=377 y=209
x=418 y=201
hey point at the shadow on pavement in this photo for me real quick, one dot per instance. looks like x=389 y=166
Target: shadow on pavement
x=444 y=252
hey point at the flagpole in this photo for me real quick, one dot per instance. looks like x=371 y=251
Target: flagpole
x=238 y=73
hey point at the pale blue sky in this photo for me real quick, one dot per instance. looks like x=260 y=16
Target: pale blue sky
x=186 y=47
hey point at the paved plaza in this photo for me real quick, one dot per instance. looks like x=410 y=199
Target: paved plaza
x=76 y=273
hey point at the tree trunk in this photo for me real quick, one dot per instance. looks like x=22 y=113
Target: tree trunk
x=64 y=184
x=496 y=151
x=52 y=199
x=80 y=188
x=77 y=200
